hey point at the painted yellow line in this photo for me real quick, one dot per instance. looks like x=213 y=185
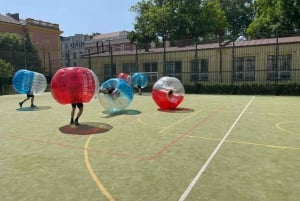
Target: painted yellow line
x=242 y=142
x=264 y=145
x=146 y=124
x=278 y=125
x=92 y=173
x=164 y=128
x=178 y=122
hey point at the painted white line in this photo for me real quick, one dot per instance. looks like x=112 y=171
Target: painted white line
x=203 y=168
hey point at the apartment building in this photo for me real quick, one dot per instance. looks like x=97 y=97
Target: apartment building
x=72 y=48
x=114 y=42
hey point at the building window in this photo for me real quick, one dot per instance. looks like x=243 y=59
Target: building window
x=244 y=68
x=173 y=69
x=129 y=68
x=199 y=70
x=122 y=47
x=279 y=69
x=150 y=68
x=109 y=71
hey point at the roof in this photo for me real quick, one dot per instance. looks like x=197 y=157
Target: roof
x=10 y=19
x=267 y=41
x=258 y=42
x=113 y=35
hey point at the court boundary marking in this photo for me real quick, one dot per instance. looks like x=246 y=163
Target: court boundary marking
x=208 y=161
x=92 y=173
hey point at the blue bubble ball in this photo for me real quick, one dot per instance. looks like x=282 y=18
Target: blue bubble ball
x=29 y=82
x=139 y=79
x=115 y=95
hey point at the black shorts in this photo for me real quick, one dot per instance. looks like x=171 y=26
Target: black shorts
x=79 y=105
x=30 y=95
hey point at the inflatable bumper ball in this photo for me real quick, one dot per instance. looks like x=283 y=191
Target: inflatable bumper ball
x=123 y=76
x=29 y=82
x=115 y=95
x=139 y=80
x=168 y=93
x=74 y=85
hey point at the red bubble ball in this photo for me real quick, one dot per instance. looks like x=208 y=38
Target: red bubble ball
x=74 y=85
x=123 y=76
x=165 y=100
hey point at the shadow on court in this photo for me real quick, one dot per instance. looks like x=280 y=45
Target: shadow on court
x=86 y=128
x=177 y=110
x=37 y=108
x=122 y=112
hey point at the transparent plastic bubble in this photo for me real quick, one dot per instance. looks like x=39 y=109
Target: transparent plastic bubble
x=139 y=79
x=123 y=76
x=168 y=92
x=74 y=85
x=115 y=95
x=29 y=82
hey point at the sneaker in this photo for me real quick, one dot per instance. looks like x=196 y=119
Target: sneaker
x=76 y=122
x=33 y=105
x=20 y=104
x=71 y=122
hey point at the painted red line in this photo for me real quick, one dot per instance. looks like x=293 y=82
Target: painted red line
x=168 y=146
x=128 y=156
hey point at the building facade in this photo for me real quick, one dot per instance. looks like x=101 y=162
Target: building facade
x=115 y=42
x=45 y=36
x=72 y=48
x=254 y=61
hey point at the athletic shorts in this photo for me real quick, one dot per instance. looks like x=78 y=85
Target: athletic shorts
x=30 y=95
x=79 y=105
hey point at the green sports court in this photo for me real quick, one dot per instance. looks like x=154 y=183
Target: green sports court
x=211 y=148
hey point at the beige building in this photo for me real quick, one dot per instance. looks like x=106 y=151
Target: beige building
x=267 y=60
x=45 y=36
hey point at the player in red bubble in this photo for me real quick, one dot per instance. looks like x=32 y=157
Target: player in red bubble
x=80 y=108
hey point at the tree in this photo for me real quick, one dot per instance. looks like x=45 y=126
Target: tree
x=19 y=52
x=273 y=16
x=176 y=19
x=6 y=72
x=154 y=19
x=33 y=60
x=12 y=49
x=239 y=13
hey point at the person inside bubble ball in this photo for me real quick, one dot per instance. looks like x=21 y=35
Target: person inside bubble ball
x=80 y=108
x=113 y=92
x=29 y=96
x=170 y=94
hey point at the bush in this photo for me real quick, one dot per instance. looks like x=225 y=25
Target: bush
x=291 y=89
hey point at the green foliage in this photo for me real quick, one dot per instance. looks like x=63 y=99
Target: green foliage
x=12 y=50
x=6 y=72
x=174 y=19
x=274 y=15
x=6 y=69
x=239 y=13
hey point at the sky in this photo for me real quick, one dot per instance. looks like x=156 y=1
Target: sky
x=76 y=16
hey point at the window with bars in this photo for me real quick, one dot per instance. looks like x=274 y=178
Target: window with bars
x=151 y=69
x=109 y=71
x=279 y=67
x=199 y=70
x=173 y=69
x=129 y=68
x=244 y=68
